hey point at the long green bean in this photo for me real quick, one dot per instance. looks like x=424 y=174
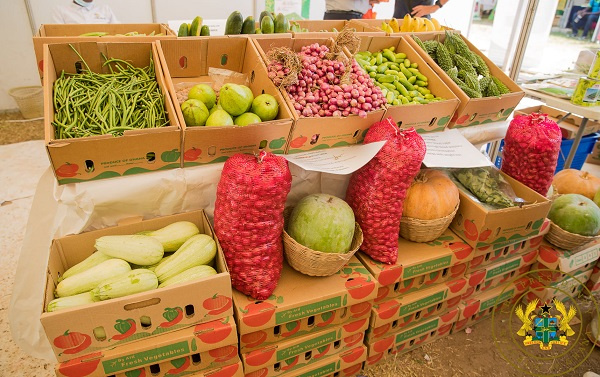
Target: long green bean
x=90 y=103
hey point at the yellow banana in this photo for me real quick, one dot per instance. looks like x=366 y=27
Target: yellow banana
x=394 y=25
x=406 y=23
x=429 y=26
x=416 y=24
x=436 y=24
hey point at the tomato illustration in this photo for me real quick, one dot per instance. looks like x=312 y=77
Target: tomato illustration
x=213 y=332
x=290 y=363
x=292 y=328
x=449 y=316
x=258 y=313
x=454 y=301
x=374 y=359
x=471 y=230
x=458 y=270
x=352 y=371
x=476 y=261
x=360 y=287
x=461 y=250
x=298 y=142
x=192 y=154
x=217 y=304
x=260 y=357
x=383 y=344
x=535 y=242
x=381 y=330
x=254 y=339
x=485 y=235
x=67 y=170
x=530 y=256
x=136 y=373
x=264 y=372
x=322 y=351
x=353 y=339
x=173 y=317
x=390 y=275
x=353 y=355
x=81 y=366
x=72 y=342
x=457 y=285
x=382 y=293
x=471 y=308
x=355 y=326
x=226 y=371
x=462 y=119
x=180 y=365
x=170 y=156
x=224 y=353
x=125 y=327
x=548 y=254
x=360 y=310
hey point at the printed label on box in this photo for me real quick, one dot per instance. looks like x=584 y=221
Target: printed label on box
x=416 y=331
x=307 y=346
x=423 y=303
x=502 y=269
x=423 y=268
x=146 y=357
x=491 y=302
x=308 y=310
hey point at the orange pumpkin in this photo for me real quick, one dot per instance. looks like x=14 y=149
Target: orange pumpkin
x=432 y=195
x=573 y=181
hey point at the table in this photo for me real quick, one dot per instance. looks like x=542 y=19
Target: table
x=566 y=105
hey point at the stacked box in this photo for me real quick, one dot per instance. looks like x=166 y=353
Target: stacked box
x=161 y=332
x=491 y=254
x=593 y=283
x=319 y=28
x=308 y=322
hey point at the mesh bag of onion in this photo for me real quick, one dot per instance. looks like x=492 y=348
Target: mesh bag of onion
x=249 y=220
x=376 y=191
x=531 y=148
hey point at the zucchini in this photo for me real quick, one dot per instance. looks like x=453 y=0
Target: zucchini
x=89 y=262
x=174 y=235
x=198 y=250
x=70 y=302
x=138 y=249
x=135 y=281
x=193 y=273
x=89 y=279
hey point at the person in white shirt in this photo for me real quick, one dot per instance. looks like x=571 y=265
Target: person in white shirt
x=84 y=12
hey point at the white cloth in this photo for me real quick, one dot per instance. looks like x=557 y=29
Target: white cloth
x=75 y=14
x=361 y=6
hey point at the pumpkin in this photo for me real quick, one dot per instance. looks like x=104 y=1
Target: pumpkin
x=573 y=181
x=432 y=195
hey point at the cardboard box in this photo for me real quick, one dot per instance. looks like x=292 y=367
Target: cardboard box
x=418 y=259
x=304 y=326
x=75 y=327
x=144 y=353
x=429 y=117
x=499 y=254
x=546 y=276
x=347 y=363
x=441 y=323
x=569 y=126
x=321 y=28
x=72 y=33
x=106 y=156
x=187 y=62
x=479 y=226
x=567 y=261
x=499 y=280
x=423 y=281
x=474 y=111
x=403 y=310
x=593 y=283
x=353 y=285
x=311 y=133
x=594 y=157
x=233 y=370
x=211 y=360
x=297 y=353
x=565 y=290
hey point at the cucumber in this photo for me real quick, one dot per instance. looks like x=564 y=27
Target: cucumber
x=281 y=24
x=234 y=23
x=267 y=26
x=195 y=27
x=264 y=14
x=248 y=25
x=183 y=30
x=205 y=31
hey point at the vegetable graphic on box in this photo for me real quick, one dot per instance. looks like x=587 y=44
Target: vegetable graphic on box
x=298 y=142
x=192 y=154
x=217 y=304
x=67 y=170
x=173 y=317
x=292 y=328
x=180 y=365
x=136 y=373
x=224 y=353
x=82 y=366
x=72 y=342
x=277 y=143
x=254 y=339
x=213 y=332
x=258 y=313
x=360 y=309
x=360 y=287
x=170 y=156
x=125 y=327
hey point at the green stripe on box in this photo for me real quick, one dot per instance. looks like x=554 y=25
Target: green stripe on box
x=308 y=310
x=502 y=269
x=303 y=347
x=423 y=268
x=144 y=358
x=491 y=302
x=422 y=303
x=324 y=371
x=416 y=331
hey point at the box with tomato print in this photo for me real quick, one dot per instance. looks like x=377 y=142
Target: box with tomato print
x=479 y=226
x=232 y=370
x=593 y=283
x=483 y=304
x=500 y=272
x=567 y=261
x=189 y=61
x=419 y=264
x=88 y=328
x=105 y=156
x=310 y=133
x=150 y=352
x=291 y=312
x=289 y=355
x=438 y=324
x=398 y=313
x=345 y=364
x=566 y=290
x=474 y=111
x=223 y=361
x=487 y=255
x=546 y=276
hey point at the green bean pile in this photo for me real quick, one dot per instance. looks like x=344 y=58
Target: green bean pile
x=90 y=103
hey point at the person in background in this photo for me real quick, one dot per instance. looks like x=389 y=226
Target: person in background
x=417 y=8
x=84 y=12
x=347 y=9
x=585 y=18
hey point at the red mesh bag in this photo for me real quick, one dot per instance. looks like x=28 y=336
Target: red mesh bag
x=249 y=220
x=531 y=148
x=376 y=191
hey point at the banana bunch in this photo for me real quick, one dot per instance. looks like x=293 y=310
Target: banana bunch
x=411 y=25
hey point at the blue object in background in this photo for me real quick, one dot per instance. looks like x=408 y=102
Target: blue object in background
x=585 y=148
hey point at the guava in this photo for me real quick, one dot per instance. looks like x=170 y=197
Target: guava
x=194 y=112
x=219 y=118
x=265 y=106
x=235 y=99
x=204 y=93
x=246 y=119
x=576 y=214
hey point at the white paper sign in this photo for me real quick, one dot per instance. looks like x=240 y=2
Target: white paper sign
x=288 y=6
x=344 y=160
x=216 y=27
x=450 y=149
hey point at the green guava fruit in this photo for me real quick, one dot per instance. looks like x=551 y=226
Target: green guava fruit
x=219 y=118
x=576 y=214
x=235 y=99
x=265 y=106
x=194 y=112
x=246 y=119
x=204 y=93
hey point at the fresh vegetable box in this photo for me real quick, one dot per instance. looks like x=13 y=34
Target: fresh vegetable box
x=497 y=255
x=233 y=370
x=593 y=283
x=442 y=323
x=102 y=325
x=192 y=340
x=567 y=261
x=546 y=276
x=321 y=28
x=594 y=156
x=296 y=353
x=426 y=117
x=73 y=33
x=566 y=290
x=311 y=133
x=142 y=147
x=189 y=60
x=474 y=111
x=479 y=226
x=351 y=286
x=569 y=123
x=347 y=363
x=410 y=308
x=212 y=360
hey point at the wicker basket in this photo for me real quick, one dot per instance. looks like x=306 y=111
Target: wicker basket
x=316 y=263
x=566 y=240
x=417 y=230
x=30 y=100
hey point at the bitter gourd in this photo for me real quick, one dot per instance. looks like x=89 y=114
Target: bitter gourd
x=443 y=57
